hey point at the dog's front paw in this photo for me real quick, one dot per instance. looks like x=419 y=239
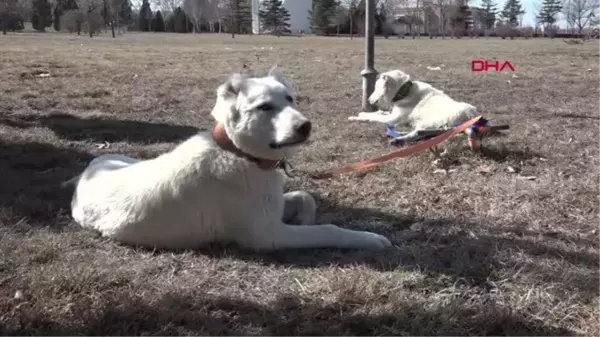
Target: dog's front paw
x=360 y=117
x=355 y=118
x=376 y=241
x=397 y=142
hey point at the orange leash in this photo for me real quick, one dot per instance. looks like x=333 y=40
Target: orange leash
x=403 y=152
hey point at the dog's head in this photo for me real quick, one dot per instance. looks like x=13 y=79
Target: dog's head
x=259 y=116
x=387 y=85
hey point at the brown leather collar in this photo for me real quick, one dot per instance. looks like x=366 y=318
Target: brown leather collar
x=223 y=140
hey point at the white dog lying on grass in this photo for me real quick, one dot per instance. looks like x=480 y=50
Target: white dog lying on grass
x=416 y=104
x=216 y=187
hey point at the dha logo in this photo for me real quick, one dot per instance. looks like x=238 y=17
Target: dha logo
x=484 y=65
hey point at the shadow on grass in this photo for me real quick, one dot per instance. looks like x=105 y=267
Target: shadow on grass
x=503 y=154
x=577 y=116
x=104 y=129
x=32 y=172
x=31 y=176
x=196 y=313
x=455 y=253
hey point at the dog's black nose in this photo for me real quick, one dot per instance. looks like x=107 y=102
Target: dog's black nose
x=304 y=129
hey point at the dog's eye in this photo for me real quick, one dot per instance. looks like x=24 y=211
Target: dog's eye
x=266 y=107
x=289 y=99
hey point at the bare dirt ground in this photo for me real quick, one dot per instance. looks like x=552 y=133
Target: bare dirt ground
x=490 y=251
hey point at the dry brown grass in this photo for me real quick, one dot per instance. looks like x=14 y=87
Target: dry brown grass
x=497 y=254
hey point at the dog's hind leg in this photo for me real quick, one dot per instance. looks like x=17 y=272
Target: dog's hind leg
x=299 y=208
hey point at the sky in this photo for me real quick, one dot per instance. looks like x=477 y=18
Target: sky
x=530 y=7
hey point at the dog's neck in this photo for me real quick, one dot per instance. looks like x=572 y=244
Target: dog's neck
x=223 y=141
x=403 y=91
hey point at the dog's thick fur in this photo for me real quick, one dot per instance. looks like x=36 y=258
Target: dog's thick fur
x=200 y=192
x=424 y=107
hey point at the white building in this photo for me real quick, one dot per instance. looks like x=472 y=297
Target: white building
x=299 y=18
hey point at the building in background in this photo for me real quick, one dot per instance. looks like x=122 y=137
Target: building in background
x=299 y=18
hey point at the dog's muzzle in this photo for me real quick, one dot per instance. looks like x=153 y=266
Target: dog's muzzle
x=372 y=100
x=301 y=135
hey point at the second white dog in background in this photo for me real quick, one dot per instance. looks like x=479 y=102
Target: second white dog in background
x=415 y=104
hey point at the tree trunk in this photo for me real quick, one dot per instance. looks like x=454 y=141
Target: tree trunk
x=90 y=30
x=443 y=28
x=237 y=28
x=351 y=27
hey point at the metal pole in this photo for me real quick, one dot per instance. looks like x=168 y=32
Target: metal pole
x=369 y=74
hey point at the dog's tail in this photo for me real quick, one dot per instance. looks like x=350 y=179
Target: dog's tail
x=70 y=182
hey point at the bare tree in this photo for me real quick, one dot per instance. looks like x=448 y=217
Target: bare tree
x=136 y=5
x=352 y=7
x=209 y=11
x=567 y=12
x=537 y=5
x=581 y=13
x=412 y=18
x=443 y=8
x=340 y=17
x=114 y=8
x=90 y=13
x=417 y=21
x=222 y=9
x=427 y=22
x=167 y=6
x=390 y=9
x=194 y=9
x=215 y=11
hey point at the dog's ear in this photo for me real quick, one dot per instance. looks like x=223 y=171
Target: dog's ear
x=233 y=86
x=278 y=75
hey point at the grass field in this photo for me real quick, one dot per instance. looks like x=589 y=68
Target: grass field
x=481 y=250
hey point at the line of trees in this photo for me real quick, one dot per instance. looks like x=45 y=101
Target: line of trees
x=400 y=17
x=327 y=17
x=437 y=17
x=71 y=15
